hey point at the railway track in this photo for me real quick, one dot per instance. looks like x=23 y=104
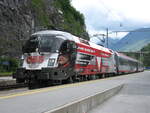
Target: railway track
x=12 y=86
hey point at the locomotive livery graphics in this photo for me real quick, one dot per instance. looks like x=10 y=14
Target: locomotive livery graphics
x=51 y=57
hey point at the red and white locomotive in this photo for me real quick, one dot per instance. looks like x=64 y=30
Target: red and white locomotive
x=54 y=57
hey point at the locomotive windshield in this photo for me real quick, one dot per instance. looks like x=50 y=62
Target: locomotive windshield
x=42 y=44
x=49 y=44
x=30 y=45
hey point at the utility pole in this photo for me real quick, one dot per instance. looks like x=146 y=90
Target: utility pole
x=107 y=37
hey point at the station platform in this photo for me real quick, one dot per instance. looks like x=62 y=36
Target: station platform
x=133 y=98
x=135 y=95
x=7 y=81
x=47 y=99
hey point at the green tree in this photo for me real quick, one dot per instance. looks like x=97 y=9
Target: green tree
x=146 y=55
x=73 y=19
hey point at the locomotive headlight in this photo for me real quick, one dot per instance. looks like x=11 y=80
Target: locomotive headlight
x=51 y=62
x=21 y=61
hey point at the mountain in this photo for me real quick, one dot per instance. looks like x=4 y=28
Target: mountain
x=111 y=42
x=133 y=41
x=20 y=18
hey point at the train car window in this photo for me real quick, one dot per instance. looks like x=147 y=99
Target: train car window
x=84 y=41
x=123 y=61
x=68 y=47
x=93 y=61
x=85 y=59
x=73 y=46
x=85 y=56
x=105 y=61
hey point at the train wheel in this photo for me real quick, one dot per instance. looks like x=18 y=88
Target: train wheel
x=103 y=75
x=76 y=78
x=86 y=78
x=70 y=79
x=93 y=77
x=18 y=80
x=32 y=84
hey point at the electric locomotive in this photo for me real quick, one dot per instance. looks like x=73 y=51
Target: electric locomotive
x=55 y=57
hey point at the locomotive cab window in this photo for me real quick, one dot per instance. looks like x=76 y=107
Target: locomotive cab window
x=49 y=43
x=42 y=43
x=84 y=41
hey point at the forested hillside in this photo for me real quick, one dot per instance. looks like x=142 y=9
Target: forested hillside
x=20 y=18
x=142 y=55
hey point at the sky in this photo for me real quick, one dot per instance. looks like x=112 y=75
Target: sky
x=116 y=15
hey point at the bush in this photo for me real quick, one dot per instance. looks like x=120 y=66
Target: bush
x=8 y=64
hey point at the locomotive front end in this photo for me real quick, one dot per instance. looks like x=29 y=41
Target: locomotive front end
x=41 y=52
x=45 y=58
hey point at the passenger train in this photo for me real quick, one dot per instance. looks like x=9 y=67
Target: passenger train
x=55 y=57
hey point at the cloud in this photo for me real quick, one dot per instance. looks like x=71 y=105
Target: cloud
x=114 y=14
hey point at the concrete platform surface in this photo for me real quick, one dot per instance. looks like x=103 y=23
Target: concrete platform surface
x=46 y=99
x=7 y=81
x=6 y=78
x=133 y=98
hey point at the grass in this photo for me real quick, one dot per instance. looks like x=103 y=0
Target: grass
x=5 y=74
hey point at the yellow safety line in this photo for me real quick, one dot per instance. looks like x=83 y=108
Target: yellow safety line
x=53 y=88
x=47 y=89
